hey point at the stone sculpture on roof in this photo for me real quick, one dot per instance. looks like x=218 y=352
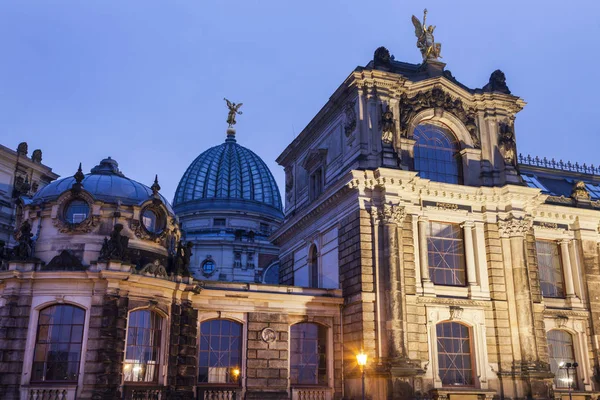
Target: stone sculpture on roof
x=430 y=50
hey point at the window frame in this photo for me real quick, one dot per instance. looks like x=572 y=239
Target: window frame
x=561 y=267
x=313 y=264
x=329 y=355
x=463 y=254
x=455 y=150
x=472 y=354
x=162 y=353
x=36 y=339
x=242 y=357
x=576 y=379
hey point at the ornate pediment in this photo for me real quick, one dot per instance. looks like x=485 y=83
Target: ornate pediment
x=437 y=98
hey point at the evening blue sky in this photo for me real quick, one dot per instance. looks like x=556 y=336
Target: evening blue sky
x=144 y=81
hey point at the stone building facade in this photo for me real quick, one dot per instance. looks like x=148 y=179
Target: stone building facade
x=21 y=176
x=467 y=272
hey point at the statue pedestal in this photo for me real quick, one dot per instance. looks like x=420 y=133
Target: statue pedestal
x=433 y=67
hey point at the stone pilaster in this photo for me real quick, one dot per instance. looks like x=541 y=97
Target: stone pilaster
x=106 y=344
x=14 y=320
x=183 y=350
x=528 y=366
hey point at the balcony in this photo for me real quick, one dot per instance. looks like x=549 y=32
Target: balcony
x=144 y=393
x=48 y=392
x=219 y=393
x=311 y=393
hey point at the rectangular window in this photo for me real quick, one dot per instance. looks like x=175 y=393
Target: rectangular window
x=316 y=184
x=446 y=254
x=550 y=269
x=219 y=222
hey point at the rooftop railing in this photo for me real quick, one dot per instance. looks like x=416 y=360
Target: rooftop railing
x=558 y=165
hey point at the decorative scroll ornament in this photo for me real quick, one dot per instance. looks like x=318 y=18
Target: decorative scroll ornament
x=514 y=226
x=85 y=226
x=388 y=127
x=391 y=214
x=430 y=50
x=436 y=98
x=456 y=312
x=268 y=335
x=350 y=113
x=580 y=191
x=507 y=143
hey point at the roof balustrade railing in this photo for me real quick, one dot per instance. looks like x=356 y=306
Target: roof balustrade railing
x=558 y=165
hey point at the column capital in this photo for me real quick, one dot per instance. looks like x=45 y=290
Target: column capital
x=467 y=224
x=423 y=218
x=564 y=241
x=391 y=214
x=513 y=226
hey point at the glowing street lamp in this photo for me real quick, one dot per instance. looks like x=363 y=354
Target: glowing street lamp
x=361 y=359
x=569 y=366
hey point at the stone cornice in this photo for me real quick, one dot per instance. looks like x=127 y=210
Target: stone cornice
x=454 y=302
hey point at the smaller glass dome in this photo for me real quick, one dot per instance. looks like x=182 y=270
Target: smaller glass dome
x=106 y=183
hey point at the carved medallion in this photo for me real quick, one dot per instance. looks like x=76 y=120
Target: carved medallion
x=268 y=335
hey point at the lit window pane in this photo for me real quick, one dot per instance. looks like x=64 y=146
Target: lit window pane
x=77 y=211
x=560 y=350
x=220 y=351
x=142 y=356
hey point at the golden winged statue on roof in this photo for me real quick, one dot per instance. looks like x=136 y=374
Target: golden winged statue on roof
x=233 y=110
x=430 y=50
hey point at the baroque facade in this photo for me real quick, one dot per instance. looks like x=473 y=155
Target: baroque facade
x=413 y=232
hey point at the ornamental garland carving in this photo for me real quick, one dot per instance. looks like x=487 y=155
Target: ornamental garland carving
x=436 y=98
x=350 y=123
x=514 y=226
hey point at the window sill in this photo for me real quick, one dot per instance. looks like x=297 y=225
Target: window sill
x=463 y=393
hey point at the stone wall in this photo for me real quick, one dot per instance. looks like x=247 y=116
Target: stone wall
x=14 y=321
x=286 y=269
x=267 y=363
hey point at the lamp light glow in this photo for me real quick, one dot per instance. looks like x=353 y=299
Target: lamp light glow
x=361 y=359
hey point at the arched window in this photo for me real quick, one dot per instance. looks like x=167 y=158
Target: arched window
x=561 y=352
x=454 y=354
x=308 y=354
x=142 y=354
x=313 y=267
x=220 y=354
x=437 y=154
x=550 y=268
x=58 y=344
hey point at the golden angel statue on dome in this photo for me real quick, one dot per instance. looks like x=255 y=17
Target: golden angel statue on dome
x=430 y=50
x=233 y=110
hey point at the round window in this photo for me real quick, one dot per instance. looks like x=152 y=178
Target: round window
x=153 y=221
x=77 y=211
x=208 y=267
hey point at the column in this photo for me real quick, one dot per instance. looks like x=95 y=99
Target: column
x=424 y=256
x=567 y=269
x=392 y=217
x=469 y=253
x=515 y=229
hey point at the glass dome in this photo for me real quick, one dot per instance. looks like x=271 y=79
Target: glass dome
x=228 y=176
x=105 y=183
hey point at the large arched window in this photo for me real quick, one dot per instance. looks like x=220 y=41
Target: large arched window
x=220 y=353
x=308 y=354
x=313 y=267
x=58 y=344
x=143 y=351
x=437 y=154
x=560 y=350
x=454 y=354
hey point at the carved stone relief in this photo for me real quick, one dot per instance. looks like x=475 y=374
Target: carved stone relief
x=436 y=98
